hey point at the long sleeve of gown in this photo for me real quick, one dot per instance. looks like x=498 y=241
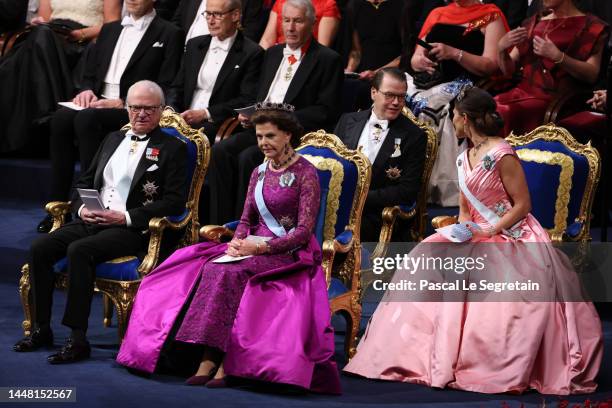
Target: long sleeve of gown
x=249 y=213
x=310 y=197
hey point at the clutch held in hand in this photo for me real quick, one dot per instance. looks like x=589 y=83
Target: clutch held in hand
x=461 y=232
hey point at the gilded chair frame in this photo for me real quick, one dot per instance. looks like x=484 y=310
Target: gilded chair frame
x=121 y=293
x=349 y=270
x=552 y=133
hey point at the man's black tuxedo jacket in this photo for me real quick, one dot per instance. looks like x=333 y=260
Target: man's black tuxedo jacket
x=167 y=173
x=156 y=58
x=386 y=191
x=315 y=89
x=254 y=17
x=236 y=85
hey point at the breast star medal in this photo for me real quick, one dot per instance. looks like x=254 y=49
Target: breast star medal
x=286 y=180
x=393 y=173
x=149 y=188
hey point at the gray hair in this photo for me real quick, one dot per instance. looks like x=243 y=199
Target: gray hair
x=150 y=87
x=235 y=4
x=305 y=5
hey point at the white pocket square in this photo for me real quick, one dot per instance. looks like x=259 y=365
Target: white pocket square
x=237 y=66
x=158 y=44
x=153 y=167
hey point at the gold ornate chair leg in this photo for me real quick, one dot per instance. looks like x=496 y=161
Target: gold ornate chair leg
x=108 y=310
x=24 y=294
x=122 y=295
x=352 y=340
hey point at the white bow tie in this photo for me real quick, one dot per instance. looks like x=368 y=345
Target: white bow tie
x=296 y=53
x=128 y=21
x=220 y=45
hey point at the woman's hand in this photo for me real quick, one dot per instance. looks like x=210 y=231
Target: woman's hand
x=441 y=52
x=367 y=75
x=545 y=48
x=421 y=63
x=599 y=100
x=479 y=232
x=242 y=247
x=512 y=38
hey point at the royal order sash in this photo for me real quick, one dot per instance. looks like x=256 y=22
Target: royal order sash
x=271 y=222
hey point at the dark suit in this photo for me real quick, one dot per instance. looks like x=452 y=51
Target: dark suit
x=387 y=191
x=89 y=126
x=254 y=17
x=314 y=91
x=86 y=245
x=235 y=86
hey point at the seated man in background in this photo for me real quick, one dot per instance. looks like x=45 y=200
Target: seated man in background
x=140 y=174
x=141 y=46
x=302 y=73
x=395 y=147
x=219 y=72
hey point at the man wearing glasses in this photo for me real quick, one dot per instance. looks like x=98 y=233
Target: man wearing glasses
x=394 y=145
x=141 y=46
x=139 y=174
x=219 y=72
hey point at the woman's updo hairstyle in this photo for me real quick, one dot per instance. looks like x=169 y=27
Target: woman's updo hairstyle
x=282 y=116
x=481 y=108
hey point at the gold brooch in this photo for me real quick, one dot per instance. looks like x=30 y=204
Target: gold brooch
x=393 y=173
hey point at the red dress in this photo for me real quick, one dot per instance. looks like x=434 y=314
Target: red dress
x=323 y=8
x=524 y=106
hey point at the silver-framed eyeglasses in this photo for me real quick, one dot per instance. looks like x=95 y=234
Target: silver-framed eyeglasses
x=217 y=15
x=147 y=109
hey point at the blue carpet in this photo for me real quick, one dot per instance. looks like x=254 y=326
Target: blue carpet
x=100 y=382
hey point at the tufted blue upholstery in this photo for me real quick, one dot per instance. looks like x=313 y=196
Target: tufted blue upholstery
x=543 y=182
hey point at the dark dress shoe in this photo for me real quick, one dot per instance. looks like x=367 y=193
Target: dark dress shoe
x=35 y=341
x=45 y=225
x=217 y=383
x=71 y=353
x=198 y=379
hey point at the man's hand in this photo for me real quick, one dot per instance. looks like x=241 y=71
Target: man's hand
x=85 y=98
x=194 y=117
x=88 y=216
x=108 y=217
x=244 y=121
x=107 y=104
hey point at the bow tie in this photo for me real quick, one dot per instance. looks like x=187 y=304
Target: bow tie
x=379 y=124
x=128 y=21
x=224 y=45
x=297 y=54
x=136 y=137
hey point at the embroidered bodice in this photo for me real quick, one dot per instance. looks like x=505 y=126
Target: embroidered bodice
x=87 y=12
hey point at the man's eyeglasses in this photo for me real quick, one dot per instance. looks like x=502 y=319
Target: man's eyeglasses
x=143 y=108
x=390 y=96
x=217 y=15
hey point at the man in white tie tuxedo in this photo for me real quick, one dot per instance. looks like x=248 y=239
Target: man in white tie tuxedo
x=219 y=72
x=300 y=72
x=394 y=145
x=139 y=174
x=140 y=46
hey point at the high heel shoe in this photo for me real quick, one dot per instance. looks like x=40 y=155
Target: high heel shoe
x=201 y=379
x=217 y=383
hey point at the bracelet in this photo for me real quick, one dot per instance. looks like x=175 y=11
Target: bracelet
x=460 y=56
x=560 y=59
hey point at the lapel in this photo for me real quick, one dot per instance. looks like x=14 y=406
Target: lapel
x=388 y=147
x=156 y=142
x=108 y=48
x=192 y=70
x=303 y=72
x=354 y=128
x=105 y=155
x=274 y=60
x=231 y=60
x=147 y=41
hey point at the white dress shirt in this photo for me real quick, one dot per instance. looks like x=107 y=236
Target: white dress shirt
x=118 y=174
x=373 y=136
x=132 y=33
x=209 y=71
x=199 y=25
x=284 y=75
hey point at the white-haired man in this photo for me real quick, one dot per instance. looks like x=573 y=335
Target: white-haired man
x=140 y=174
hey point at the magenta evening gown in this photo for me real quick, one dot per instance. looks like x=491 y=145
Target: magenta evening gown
x=490 y=347
x=268 y=313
